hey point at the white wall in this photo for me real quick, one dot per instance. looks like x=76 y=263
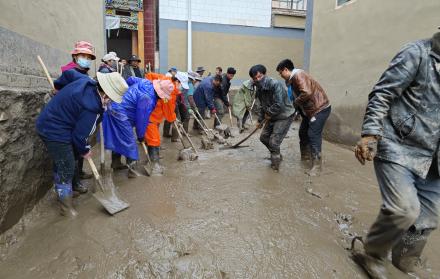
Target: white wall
x=235 y=12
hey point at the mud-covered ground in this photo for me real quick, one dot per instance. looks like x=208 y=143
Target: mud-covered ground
x=227 y=215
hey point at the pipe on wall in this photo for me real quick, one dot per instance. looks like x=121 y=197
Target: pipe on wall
x=189 y=32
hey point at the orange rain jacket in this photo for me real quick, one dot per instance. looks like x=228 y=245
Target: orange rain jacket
x=163 y=110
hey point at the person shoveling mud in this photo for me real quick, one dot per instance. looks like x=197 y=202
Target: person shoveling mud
x=276 y=109
x=66 y=122
x=400 y=132
x=119 y=119
x=187 y=153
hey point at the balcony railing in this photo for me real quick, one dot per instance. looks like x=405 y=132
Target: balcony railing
x=298 y=5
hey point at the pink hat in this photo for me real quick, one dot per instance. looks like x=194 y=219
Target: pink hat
x=83 y=47
x=163 y=88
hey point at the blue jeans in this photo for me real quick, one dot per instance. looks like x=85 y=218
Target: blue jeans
x=65 y=167
x=310 y=131
x=409 y=202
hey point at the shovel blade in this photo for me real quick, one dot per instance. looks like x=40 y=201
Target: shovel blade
x=111 y=203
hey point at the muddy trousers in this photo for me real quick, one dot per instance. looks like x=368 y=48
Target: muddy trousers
x=310 y=131
x=242 y=121
x=219 y=106
x=274 y=133
x=409 y=212
x=65 y=167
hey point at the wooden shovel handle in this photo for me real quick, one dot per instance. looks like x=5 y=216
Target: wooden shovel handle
x=93 y=167
x=190 y=141
x=146 y=152
x=230 y=112
x=46 y=72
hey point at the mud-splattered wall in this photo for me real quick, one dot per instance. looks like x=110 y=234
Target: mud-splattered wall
x=351 y=45
x=27 y=29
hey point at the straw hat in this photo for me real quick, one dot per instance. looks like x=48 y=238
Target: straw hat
x=163 y=88
x=83 y=47
x=113 y=85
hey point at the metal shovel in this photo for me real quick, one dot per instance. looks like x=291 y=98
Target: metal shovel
x=147 y=168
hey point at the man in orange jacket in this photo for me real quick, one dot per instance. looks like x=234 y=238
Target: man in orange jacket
x=165 y=109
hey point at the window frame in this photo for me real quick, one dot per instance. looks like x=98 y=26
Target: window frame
x=349 y=2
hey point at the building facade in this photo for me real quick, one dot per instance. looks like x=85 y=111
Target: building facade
x=229 y=33
x=27 y=29
x=349 y=43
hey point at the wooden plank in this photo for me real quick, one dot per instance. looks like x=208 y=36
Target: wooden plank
x=141 y=40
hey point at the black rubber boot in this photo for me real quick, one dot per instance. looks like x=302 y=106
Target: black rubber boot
x=275 y=161
x=305 y=152
x=80 y=188
x=315 y=170
x=116 y=162
x=406 y=253
x=156 y=168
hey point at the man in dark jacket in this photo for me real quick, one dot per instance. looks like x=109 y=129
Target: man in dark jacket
x=133 y=69
x=204 y=95
x=313 y=103
x=68 y=120
x=276 y=112
x=221 y=99
x=401 y=131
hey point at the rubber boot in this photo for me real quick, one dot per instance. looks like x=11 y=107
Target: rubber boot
x=305 y=152
x=374 y=267
x=316 y=167
x=116 y=162
x=174 y=135
x=406 y=253
x=275 y=161
x=65 y=199
x=80 y=188
x=156 y=168
x=131 y=167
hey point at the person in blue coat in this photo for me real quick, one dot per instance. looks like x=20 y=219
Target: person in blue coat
x=68 y=120
x=119 y=119
x=204 y=95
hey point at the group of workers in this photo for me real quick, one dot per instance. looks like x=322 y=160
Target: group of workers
x=400 y=130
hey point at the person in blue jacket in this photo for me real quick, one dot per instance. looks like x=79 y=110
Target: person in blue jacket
x=119 y=119
x=68 y=120
x=204 y=95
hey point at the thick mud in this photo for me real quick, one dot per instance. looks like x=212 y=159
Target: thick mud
x=226 y=215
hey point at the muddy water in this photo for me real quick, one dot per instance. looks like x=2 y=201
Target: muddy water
x=226 y=215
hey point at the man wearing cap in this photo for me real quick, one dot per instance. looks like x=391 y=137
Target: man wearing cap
x=133 y=69
x=119 y=120
x=68 y=120
x=171 y=72
x=401 y=133
x=201 y=71
x=109 y=63
x=165 y=109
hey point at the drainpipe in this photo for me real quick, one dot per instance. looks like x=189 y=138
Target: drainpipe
x=189 y=37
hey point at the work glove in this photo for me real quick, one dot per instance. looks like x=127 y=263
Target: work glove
x=88 y=155
x=213 y=111
x=190 y=111
x=366 y=148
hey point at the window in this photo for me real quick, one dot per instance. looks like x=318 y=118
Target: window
x=342 y=2
x=300 y=5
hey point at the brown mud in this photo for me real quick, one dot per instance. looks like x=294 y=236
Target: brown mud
x=226 y=215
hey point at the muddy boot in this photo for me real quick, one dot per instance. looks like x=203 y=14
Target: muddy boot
x=315 y=170
x=65 y=200
x=80 y=188
x=131 y=170
x=116 y=162
x=85 y=175
x=156 y=168
x=406 y=253
x=305 y=152
x=374 y=267
x=275 y=161
x=174 y=135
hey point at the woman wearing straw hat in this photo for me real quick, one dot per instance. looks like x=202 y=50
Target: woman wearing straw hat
x=69 y=119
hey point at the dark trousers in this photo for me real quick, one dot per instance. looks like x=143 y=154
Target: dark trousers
x=411 y=205
x=64 y=164
x=183 y=115
x=310 y=130
x=117 y=157
x=274 y=133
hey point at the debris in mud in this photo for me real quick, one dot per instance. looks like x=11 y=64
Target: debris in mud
x=206 y=143
x=187 y=154
x=316 y=195
x=345 y=221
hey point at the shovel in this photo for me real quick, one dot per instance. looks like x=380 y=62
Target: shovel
x=237 y=145
x=222 y=127
x=185 y=153
x=147 y=168
x=203 y=125
x=188 y=138
x=108 y=195
x=234 y=131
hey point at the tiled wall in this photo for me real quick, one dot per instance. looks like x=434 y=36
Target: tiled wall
x=236 y=12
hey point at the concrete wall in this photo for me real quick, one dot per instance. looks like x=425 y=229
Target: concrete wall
x=27 y=29
x=352 y=45
x=225 y=45
x=289 y=21
x=243 y=12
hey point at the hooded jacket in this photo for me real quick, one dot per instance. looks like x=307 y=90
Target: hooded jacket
x=404 y=107
x=72 y=114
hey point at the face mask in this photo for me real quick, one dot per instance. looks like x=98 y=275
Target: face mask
x=113 y=64
x=261 y=82
x=84 y=63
